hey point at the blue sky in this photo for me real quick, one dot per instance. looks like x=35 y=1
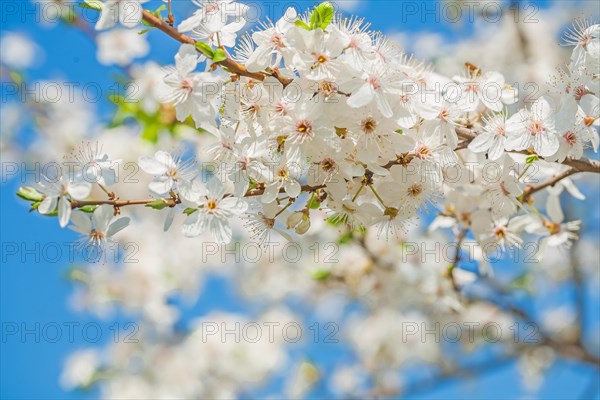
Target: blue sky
x=36 y=291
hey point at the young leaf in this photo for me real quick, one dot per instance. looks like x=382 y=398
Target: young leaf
x=321 y=275
x=301 y=24
x=219 y=55
x=158 y=204
x=322 y=15
x=29 y=193
x=88 y=209
x=205 y=49
x=190 y=211
x=532 y=158
x=92 y=5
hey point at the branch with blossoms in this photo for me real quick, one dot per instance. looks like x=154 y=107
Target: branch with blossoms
x=379 y=168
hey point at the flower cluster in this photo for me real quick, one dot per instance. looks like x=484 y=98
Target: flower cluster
x=330 y=108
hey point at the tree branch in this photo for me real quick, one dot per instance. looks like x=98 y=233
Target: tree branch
x=229 y=63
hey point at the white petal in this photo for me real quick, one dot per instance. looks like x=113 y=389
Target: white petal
x=48 y=205
x=161 y=185
x=117 y=225
x=169 y=219
x=152 y=165
x=82 y=222
x=102 y=216
x=292 y=188
x=362 y=96
x=220 y=230
x=553 y=208
x=79 y=191
x=64 y=211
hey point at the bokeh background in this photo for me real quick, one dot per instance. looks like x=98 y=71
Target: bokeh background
x=37 y=291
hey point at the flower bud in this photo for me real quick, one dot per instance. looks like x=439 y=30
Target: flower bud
x=294 y=219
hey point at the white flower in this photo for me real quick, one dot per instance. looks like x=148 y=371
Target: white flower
x=214 y=213
x=213 y=12
x=316 y=53
x=486 y=88
x=127 y=12
x=58 y=194
x=17 y=51
x=96 y=166
x=121 y=46
x=171 y=173
x=379 y=81
x=270 y=42
x=586 y=39
x=98 y=230
x=192 y=93
x=533 y=129
x=285 y=175
x=260 y=221
x=80 y=369
x=440 y=122
x=492 y=139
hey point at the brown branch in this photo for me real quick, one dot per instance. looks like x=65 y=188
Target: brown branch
x=229 y=63
x=581 y=165
x=531 y=189
x=172 y=202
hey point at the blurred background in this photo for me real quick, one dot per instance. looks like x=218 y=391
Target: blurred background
x=63 y=317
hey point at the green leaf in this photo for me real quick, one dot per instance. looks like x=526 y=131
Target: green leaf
x=92 y=5
x=321 y=275
x=301 y=24
x=346 y=238
x=150 y=132
x=532 y=158
x=16 y=77
x=88 y=209
x=219 y=55
x=313 y=203
x=205 y=49
x=399 y=131
x=190 y=211
x=322 y=15
x=29 y=193
x=143 y=31
x=158 y=204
